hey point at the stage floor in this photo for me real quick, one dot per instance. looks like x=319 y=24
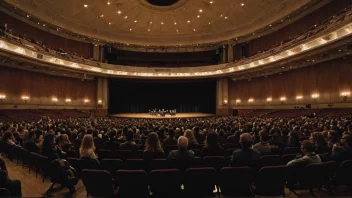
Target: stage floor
x=147 y=115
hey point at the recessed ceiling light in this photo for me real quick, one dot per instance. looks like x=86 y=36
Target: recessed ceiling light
x=175 y=23
x=200 y=10
x=109 y=23
x=108 y=3
x=135 y=21
x=148 y=30
x=242 y=4
x=209 y=23
x=118 y=12
x=221 y=15
x=85 y=5
x=162 y=23
x=194 y=30
x=125 y=17
x=225 y=17
x=211 y=2
x=188 y=21
x=28 y=15
x=130 y=29
x=198 y=16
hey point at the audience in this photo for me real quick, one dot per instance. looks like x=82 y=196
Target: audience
x=212 y=147
x=245 y=156
x=87 y=149
x=153 y=147
x=182 y=153
x=130 y=144
x=170 y=140
x=263 y=146
x=192 y=141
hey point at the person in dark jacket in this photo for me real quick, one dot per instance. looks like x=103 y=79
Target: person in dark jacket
x=341 y=154
x=170 y=141
x=245 y=156
x=212 y=147
x=182 y=153
x=30 y=144
x=129 y=144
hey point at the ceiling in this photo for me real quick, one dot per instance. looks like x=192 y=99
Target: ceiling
x=174 y=22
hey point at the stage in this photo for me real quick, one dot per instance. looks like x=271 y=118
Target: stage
x=147 y=115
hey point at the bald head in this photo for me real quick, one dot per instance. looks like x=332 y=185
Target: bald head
x=182 y=142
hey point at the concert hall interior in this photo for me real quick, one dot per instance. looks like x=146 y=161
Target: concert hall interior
x=175 y=98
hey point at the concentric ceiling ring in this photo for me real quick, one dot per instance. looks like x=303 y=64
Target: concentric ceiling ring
x=176 y=5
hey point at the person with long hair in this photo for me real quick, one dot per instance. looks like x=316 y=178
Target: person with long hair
x=153 y=147
x=212 y=147
x=8 y=138
x=49 y=149
x=192 y=141
x=87 y=148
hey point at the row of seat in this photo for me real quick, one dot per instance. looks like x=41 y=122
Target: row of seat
x=201 y=182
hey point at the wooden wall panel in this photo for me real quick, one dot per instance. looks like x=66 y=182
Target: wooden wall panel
x=328 y=79
x=51 y=40
x=42 y=87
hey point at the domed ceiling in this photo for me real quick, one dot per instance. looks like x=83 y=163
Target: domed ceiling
x=161 y=22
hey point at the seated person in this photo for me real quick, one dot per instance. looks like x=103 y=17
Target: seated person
x=30 y=144
x=212 y=147
x=295 y=166
x=170 y=141
x=87 y=148
x=245 y=156
x=129 y=144
x=182 y=153
x=13 y=186
x=153 y=147
x=263 y=146
x=340 y=154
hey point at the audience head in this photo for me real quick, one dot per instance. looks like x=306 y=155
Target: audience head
x=171 y=133
x=190 y=136
x=246 y=140
x=307 y=147
x=182 y=142
x=129 y=135
x=212 y=139
x=87 y=143
x=153 y=143
x=264 y=136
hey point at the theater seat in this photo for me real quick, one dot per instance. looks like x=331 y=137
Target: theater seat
x=200 y=182
x=270 y=181
x=236 y=181
x=111 y=165
x=270 y=160
x=98 y=183
x=166 y=183
x=132 y=183
x=344 y=173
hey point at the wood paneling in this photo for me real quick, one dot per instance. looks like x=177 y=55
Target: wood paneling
x=328 y=79
x=51 y=40
x=41 y=87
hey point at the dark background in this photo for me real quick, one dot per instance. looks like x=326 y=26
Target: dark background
x=140 y=96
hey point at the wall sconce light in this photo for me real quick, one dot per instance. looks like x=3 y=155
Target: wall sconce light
x=250 y=100
x=238 y=101
x=225 y=102
x=100 y=102
x=68 y=100
x=315 y=96
x=299 y=97
x=86 y=101
x=269 y=99
x=2 y=97
x=25 y=98
x=345 y=94
x=54 y=99
x=283 y=99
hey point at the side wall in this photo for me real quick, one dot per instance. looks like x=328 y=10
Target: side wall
x=41 y=88
x=327 y=79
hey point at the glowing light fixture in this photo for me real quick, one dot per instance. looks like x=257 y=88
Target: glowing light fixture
x=68 y=100
x=269 y=99
x=282 y=98
x=54 y=99
x=316 y=95
x=238 y=101
x=250 y=100
x=299 y=97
